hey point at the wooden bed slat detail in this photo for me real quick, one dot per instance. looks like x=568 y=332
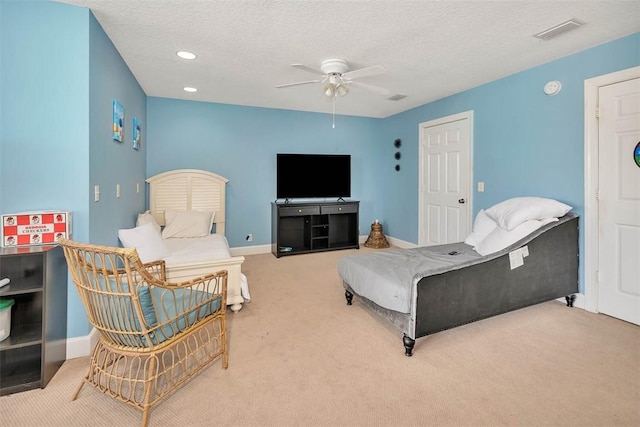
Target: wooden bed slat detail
x=188 y=189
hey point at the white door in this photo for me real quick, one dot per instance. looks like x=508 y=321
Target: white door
x=619 y=201
x=445 y=180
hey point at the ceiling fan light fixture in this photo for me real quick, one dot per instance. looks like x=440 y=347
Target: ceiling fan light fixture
x=342 y=90
x=330 y=90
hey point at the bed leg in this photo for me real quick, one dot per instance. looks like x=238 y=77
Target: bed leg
x=235 y=307
x=408 y=345
x=570 y=299
x=349 y=296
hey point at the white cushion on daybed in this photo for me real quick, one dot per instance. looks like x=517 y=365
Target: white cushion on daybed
x=482 y=226
x=187 y=224
x=147 y=241
x=500 y=238
x=145 y=218
x=513 y=212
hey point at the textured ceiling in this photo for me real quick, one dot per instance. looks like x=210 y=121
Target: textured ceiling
x=430 y=49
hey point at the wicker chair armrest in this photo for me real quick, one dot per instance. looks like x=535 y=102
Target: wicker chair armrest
x=191 y=282
x=179 y=306
x=157 y=269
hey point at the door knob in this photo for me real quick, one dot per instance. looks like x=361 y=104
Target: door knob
x=461 y=201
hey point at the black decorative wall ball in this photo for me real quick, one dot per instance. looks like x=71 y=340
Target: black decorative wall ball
x=397 y=143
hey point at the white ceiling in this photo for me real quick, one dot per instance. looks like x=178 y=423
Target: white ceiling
x=430 y=49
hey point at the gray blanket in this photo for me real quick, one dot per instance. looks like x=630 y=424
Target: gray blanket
x=387 y=277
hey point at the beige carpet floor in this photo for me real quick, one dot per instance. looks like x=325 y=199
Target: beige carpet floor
x=299 y=356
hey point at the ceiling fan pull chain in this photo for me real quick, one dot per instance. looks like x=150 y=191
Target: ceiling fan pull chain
x=333 y=102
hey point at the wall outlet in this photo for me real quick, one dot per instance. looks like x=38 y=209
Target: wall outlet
x=249 y=237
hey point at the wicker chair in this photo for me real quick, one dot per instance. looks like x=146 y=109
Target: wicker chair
x=153 y=335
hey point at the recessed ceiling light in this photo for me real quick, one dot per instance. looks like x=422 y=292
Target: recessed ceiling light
x=189 y=89
x=186 y=55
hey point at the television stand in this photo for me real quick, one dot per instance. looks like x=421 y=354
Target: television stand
x=299 y=228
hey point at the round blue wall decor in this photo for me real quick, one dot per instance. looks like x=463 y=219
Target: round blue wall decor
x=636 y=154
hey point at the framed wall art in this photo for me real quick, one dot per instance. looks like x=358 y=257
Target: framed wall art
x=118 y=121
x=137 y=134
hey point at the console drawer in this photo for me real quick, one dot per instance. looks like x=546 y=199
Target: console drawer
x=299 y=210
x=338 y=209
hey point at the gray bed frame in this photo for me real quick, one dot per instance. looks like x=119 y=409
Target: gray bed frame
x=454 y=298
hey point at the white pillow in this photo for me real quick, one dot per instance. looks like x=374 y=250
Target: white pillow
x=500 y=238
x=482 y=226
x=146 y=217
x=187 y=223
x=513 y=212
x=146 y=240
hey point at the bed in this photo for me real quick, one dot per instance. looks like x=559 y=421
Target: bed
x=195 y=190
x=425 y=290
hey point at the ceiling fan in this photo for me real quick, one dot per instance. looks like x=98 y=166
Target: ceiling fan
x=337 y=78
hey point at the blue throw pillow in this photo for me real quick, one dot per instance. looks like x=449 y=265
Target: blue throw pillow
x=146 y=303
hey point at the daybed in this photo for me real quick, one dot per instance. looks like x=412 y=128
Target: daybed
x=425 y=290
x=194 y=201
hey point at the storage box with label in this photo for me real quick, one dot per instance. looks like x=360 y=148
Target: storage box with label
x=35 y=228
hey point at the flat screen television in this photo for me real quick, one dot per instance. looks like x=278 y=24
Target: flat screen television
x=313 y=176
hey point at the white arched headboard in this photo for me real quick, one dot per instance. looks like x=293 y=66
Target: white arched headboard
x=188 y=190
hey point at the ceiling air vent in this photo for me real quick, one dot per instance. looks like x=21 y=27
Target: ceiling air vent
x=397 y=97
x=559 y=29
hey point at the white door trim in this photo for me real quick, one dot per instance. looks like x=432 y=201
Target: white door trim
x=591 y=219
x=435 y=122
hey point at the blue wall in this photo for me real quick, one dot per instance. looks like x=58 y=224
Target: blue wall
x=240 y=143
x=45 y=102
x=525 y=142
x=59 y=75
x=44 y=150
x=112 y=162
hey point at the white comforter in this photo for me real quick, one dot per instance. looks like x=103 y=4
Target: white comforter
x=202 y=249
x=198 y=249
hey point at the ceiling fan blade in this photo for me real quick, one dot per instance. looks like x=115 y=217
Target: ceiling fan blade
x=371 y=88
x=298 y=83
x=364 y=72
x=307 y=68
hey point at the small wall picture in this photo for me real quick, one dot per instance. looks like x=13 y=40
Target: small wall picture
x=118 y=121
x=137 y=134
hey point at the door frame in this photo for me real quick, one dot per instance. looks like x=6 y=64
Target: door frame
x=421 y=172
x=591 y=180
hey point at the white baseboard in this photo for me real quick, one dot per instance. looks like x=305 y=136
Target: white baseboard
x=392 y=241
x=401 y=243
x=250 y=250
x=265 y=249
x=81 y=346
